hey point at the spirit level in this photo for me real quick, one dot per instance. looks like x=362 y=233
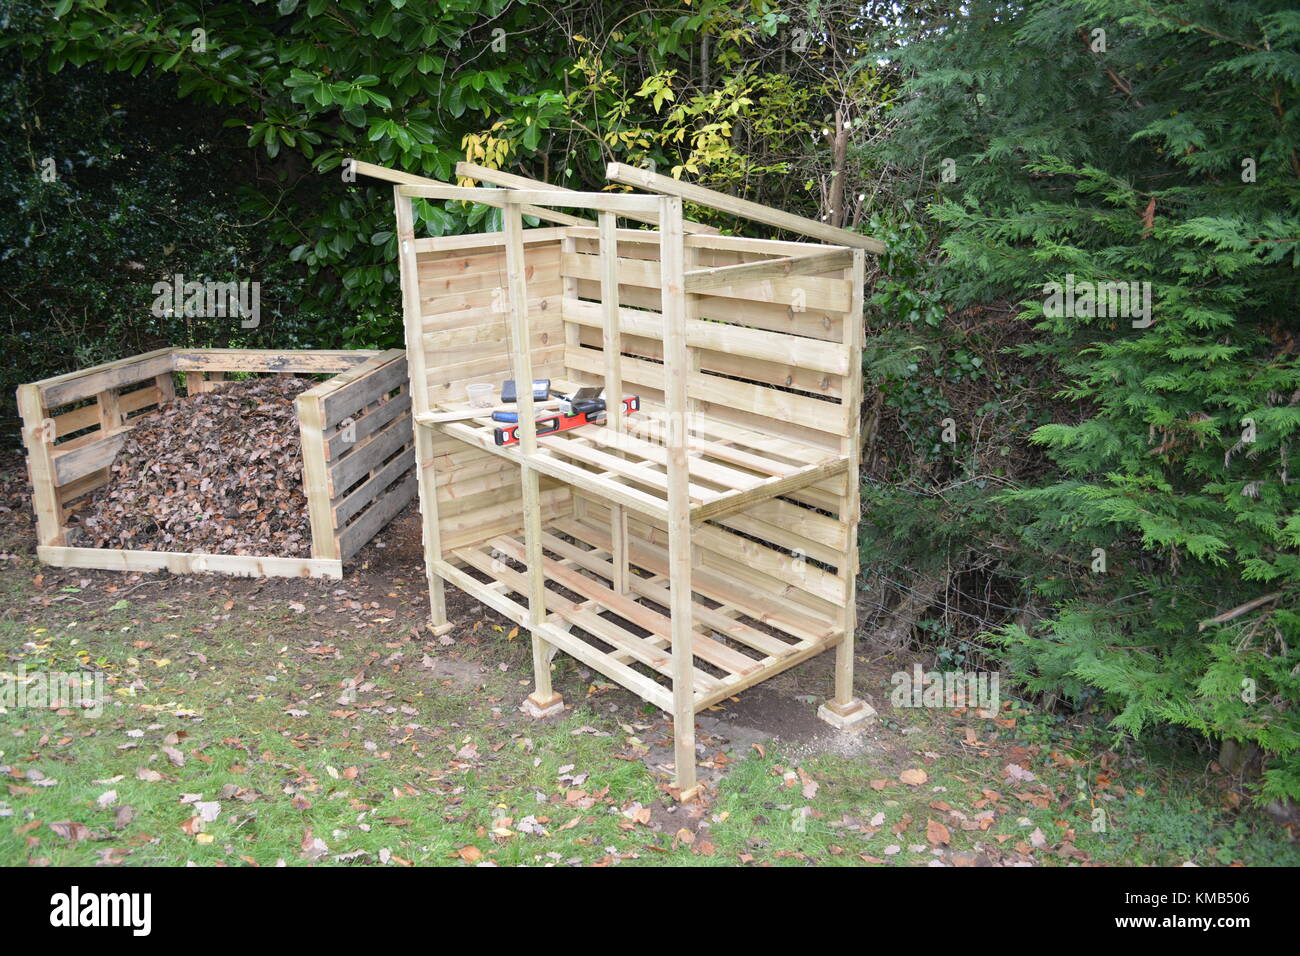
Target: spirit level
x=551 y=424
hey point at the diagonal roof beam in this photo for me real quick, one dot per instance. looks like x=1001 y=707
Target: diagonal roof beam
x=410 y=179
x=633 y=176
x=510 y=180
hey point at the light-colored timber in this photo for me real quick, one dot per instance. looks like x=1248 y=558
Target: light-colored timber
x=698 y=546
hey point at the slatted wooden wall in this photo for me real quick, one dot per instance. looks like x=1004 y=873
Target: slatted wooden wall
x=74 y=425
x=357 y=437
x=775 y=357
x=464 y=305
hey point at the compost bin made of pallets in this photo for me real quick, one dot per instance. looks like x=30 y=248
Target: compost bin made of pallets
x=357 y=447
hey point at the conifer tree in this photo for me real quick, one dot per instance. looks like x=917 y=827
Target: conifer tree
x=1108 y=149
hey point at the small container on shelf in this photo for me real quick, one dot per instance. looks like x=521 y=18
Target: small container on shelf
x=480 y=394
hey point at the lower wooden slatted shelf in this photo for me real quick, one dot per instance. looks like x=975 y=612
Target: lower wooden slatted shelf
x=740 y=637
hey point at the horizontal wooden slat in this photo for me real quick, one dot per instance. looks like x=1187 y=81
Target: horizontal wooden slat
x=807 y=292
x=323 y=361
x=441 y=245
x=367 y=456
x=502 y=517
x=543 y=314
x=351 y=504
x=367 y=424
x=742 y=274
x=541 y=264
x=351 y=397
x=829 y=417
x=75 y=386
x=178 y=562
x=745 y=244
x=386 y=507
x=612 y=202
x=85 y=459
x=773 y=317
x=793 y=350
x=538 y=291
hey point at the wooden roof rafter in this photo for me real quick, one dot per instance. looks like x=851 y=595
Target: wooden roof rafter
x=513 y=181
x=644 y=178
x=410 y=179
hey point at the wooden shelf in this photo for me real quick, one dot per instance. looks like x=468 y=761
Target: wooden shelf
x=740 y=636
x=731 y=468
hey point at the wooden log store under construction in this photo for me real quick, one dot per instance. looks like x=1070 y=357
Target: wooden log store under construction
x=692 y=548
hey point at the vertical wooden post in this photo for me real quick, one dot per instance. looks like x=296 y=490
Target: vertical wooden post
x=572 y=340
x=197 y=383
x=543 y=700
x=613 y=342
x=166 y=383
x=844 y=710
x=672 y=258
x=315 y=476
x=38 y=436
x=109 y=404
x=691 y=259
x=413 y=323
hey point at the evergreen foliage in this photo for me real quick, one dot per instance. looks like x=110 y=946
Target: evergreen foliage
x=1162 y=150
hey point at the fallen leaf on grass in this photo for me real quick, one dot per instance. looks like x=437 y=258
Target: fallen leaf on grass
x=1016 y=772
x=937 y=833
x=313 y=848
x=914 y=777
x=810 y=786
x=71 y=830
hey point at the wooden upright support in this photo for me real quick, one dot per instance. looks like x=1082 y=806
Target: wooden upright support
x=672 y=259
x=428 y=488
x=38 y=434
x=844 y=710
x=613 y=379
x=543 y=700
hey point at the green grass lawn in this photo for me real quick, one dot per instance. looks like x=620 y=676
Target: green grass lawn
x=247 y=726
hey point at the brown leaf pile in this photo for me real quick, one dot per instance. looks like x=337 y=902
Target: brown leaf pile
x=216 y=473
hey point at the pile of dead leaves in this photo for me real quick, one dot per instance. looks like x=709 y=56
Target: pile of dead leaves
x=216 y=473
